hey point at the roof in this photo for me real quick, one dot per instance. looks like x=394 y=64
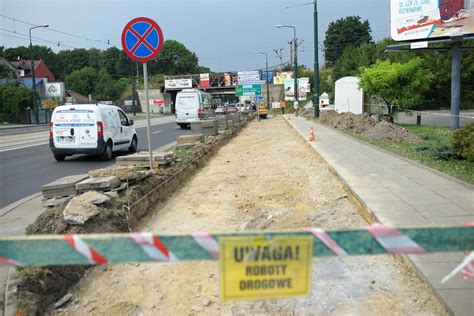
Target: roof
x=25 y=64
x=348 y=80
x=6 y=63
x=76 y=95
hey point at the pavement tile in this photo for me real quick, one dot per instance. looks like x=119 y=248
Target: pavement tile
x=467 y=204
x=402 y=219
x=423 y=198
x=392 y=207
x=436 y=271
x=440 y=257
x=462 y=301
x=451 y=220
x=439 y=210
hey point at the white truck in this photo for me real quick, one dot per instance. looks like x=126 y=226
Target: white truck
x=93 y=129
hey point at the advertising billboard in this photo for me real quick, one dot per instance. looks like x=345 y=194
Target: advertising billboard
x=54 y=90
x=427 y=19
x=204 y=80
x=178 y=83
x=269 y=74
x=303 y=89
x=282 y=76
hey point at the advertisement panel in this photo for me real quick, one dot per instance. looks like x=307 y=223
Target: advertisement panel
x=178 y=83
x=54 y=90
x=204 y=80
x=303 y=89
x=282 y=76
x=227 y=81
x=426 y=19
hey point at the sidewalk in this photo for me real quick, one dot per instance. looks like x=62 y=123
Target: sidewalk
x=402 y=193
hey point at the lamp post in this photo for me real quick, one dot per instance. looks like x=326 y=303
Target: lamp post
x=35 y=103
x=296 y=58
x=266 y=78
x=316 y=62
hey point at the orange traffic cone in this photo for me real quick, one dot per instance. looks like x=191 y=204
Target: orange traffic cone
x=311 y=135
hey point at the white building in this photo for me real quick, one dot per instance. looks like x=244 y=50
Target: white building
x=349 y=97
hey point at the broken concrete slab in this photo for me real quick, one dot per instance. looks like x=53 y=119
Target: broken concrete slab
x=189 y=139
x=56 y=201
x=83 y=207
x=124 y=173
x=142 y=159
x=62 y=187
x=100 y=184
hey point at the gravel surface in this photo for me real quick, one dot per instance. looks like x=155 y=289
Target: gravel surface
x=266 y=178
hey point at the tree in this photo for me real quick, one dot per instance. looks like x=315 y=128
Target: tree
x=396 y=83
x=72 y=60
x=82 y=81
x=174 y=59
x=107 y=88
x=342 y=33
x=14 y=100
x=39 y=52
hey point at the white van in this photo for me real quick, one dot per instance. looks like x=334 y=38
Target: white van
x=192 y=105
x=90 y=129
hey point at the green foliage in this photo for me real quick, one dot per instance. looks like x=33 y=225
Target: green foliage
x=174 y=58
x=14 y=99
x=6 y=72
x=463 y=142
x=343 y=33
x=82 y=81
x=395 y=83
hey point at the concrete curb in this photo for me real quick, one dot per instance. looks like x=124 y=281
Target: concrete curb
x=18 y=203
x=369 y=215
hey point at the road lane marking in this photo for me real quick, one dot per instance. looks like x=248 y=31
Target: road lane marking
x=157 y=132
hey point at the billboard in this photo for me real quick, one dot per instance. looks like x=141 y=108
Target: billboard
x=204 y=80
x=178 y=83
x=269 y=74
x=303 y=88
x=249 y=77
x=282 y=76
x=426 y=19
x=54 y=90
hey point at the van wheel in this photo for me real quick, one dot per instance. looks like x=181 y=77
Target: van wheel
x=133 y=146
x=183 y=126
x=59 y=157
x=107 y=154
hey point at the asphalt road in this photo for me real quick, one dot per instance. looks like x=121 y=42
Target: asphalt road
x=23 y=171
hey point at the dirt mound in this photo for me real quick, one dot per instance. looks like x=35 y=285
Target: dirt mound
x=388 y=131
x=366 y=126
x=349 y=121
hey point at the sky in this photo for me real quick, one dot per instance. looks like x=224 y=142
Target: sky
x=224 y=34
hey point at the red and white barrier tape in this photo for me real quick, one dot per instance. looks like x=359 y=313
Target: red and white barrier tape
x=85 y=250
x=10 y=262
x=328 y=241
x=153 y=247
x=393 y=241
x=206 y=241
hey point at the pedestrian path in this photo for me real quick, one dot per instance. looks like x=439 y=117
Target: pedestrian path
x=403 y=193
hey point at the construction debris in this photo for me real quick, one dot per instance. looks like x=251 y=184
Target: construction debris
x=84 y=207
x=142 y=159
x=99 y=184
x=205 y=127
x=62 y=187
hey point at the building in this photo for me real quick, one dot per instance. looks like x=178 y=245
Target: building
x=8 y=70
x=23 y=68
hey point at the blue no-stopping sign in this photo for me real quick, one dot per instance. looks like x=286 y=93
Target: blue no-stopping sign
x=142 y=39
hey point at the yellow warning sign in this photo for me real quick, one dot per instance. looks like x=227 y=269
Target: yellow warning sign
x=261 y=268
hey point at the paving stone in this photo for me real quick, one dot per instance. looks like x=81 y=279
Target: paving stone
x=101 y=184
x=462 y=300
x=48 y=194
x=66 y=182
x=439 y=210
x=189 y=139
x=56 y=201
x=82 y=208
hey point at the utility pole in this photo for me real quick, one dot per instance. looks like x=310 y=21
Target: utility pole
x=134 y=104
x=280 y=55
x=316 y=62
x=266 y=78
x=297 y=95
x=291 y=52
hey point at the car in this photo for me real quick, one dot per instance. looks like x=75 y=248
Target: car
x=192 y=105
x=220 y=110
x=93 y=129
x=232 y=109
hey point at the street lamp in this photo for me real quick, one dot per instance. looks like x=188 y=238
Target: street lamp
x=296 y=93
x=35 y=103
x=266 y=78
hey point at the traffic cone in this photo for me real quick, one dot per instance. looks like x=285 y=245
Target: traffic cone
x=311 y=135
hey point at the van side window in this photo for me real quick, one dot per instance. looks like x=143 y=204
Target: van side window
x=123 y=118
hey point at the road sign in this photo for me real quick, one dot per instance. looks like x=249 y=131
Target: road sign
x=142 y=39
x=248 y=90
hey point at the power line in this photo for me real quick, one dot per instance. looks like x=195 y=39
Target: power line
x=107 y=42
x=26 y=37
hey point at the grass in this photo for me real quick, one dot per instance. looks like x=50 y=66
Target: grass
x=433 y=151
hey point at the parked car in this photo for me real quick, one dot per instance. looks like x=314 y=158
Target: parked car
x=192 y=105
x=221 y=110
x=93 y=129
x=232 y=109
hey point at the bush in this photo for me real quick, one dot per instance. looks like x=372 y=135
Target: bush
x=463 y=142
